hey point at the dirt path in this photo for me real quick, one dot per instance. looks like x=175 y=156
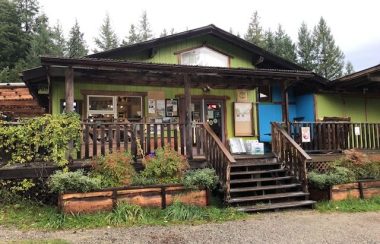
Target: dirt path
x=282 y=227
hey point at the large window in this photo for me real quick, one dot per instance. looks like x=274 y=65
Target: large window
x=204 y=56
x=101 y=107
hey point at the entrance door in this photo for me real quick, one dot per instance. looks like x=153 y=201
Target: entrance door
x=214 y=116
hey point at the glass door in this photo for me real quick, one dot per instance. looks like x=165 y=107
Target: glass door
x=214 y=116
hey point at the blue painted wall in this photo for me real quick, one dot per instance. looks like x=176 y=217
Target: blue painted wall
x=299 y=106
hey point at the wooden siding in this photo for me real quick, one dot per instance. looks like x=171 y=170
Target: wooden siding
x=166 y=53
x=358 y=107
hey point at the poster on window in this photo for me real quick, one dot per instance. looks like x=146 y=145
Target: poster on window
x=171 y=107
x=160 y=108
x=305 y=133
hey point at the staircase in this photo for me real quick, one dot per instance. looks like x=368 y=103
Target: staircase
x=261 y=183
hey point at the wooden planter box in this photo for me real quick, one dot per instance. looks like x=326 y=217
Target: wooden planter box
x=146 y=196
x=361 y=189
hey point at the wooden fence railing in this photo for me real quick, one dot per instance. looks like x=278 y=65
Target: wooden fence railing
x=290 y=153
x=336 y=136
x=137 y=138
x=216 y=153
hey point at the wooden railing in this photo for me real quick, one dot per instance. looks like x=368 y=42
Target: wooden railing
x=216 y=153
x=290 y=153
x=336 y=136
x=137 y=138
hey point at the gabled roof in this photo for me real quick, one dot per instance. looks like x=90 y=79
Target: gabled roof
x=270 y=60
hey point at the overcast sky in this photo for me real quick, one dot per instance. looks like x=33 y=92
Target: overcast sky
x=353 y=23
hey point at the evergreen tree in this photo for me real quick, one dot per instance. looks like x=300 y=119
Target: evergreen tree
x=329 y=57
x=349 y=68
x=283 y=45
x=76 y=44
x=269 y=40
x=41 y=43
x=172 y=31
x=145 y=33
x=306 y=48
x=164 y=33
x=107 y=38
x=59 y=40
x=13 y=41
x=28 y=11
x=255 y=31
x=132 y=37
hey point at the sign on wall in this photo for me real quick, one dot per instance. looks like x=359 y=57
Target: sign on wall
x=305 y=133
x=243 y=122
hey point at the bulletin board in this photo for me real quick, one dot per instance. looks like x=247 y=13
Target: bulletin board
x=243 y=119
x=156 y=104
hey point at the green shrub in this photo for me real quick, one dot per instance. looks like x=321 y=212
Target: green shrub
x=140 y=180
x=363 y=170
x=200 y=178
x=77 y=181
x=45 y=138
x=167 y=166
x=114 y=169
x=126 y=213
x=337 y=175
x=180 y=212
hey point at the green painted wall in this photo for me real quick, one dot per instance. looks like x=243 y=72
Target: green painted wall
x=58 y=93
x=166 y=53
x=359 y=108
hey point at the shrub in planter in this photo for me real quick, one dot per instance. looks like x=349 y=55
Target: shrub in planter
x=200 y=178
x=114 y=169
x=337 y=175
x=77 y=181
x=167 y=166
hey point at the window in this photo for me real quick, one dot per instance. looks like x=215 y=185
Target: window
x=265 y=94
x=204 y=56
x=114 y=107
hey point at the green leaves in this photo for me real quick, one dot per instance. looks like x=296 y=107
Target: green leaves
x=62 y=182
x=40 y=139
x=200 y=178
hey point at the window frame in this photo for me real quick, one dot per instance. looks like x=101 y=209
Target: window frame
x=112 y=112
x=181 y=52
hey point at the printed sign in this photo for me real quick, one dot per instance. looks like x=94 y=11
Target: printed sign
x=305 y=132
x=357 y=131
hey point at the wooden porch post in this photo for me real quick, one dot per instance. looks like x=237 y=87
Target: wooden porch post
x=285 y=104
x=69 y=89
x=188 y=122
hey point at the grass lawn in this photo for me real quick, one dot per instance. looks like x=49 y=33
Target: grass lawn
x=28 y=215
x=350 y=205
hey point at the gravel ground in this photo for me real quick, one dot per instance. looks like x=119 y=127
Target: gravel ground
x=280 y=227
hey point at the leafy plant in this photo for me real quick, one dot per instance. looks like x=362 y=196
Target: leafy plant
x=114 y=169
x=337 y=175
x=360 y=164
x=200 y=178
x=181 y=212
x=166 y=166
x=140 y=180
x=126 y=213
x=44 y=138
x=76 y=181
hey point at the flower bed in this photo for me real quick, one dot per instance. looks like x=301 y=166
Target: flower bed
x=146 y=196
x=361 y=189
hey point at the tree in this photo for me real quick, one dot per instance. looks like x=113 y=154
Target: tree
x=132 y=37
x=145 y=33
x=349 y=68
x=28 y=12
x=13 y=41
x=59 y=40
x=269 y=40
x=283 y=45
x=164 y=33
x=107 y=38
x=76 y=44
x=41 y=43
x=329 y=57
x=255 y=31
x=306 y=48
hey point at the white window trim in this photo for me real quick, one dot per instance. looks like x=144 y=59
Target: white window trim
x=114 y=106
x=211 y=49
